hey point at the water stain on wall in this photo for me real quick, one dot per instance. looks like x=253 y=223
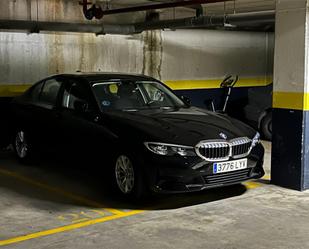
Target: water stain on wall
x=55 y=52
x=152 y=53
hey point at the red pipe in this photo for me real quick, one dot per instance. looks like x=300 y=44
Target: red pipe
x=93 y=11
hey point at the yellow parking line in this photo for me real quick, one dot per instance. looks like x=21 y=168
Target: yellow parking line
x=67 y=228
x=59 y=191
x=266 y=177
x=252 y=185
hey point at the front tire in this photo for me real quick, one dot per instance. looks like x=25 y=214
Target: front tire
x=128 y=177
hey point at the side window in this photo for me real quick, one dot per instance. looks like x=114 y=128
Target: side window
x=157 y=95
x=107 y=93
x=74 y=92
x=50 y=92
x=33 y=93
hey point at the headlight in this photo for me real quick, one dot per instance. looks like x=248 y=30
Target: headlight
x=256 y=139
x=170 y=149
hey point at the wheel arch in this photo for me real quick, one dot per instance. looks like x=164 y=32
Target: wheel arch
x=263 y=115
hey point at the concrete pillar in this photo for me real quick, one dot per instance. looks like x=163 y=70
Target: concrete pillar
x=290 y=153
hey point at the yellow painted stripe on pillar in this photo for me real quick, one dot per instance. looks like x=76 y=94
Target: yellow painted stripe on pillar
x=213 y=84
x=290 y=100
x=12 y=90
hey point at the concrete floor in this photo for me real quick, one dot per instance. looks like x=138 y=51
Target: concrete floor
x=49 y=206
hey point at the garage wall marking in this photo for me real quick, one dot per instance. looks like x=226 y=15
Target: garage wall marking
x=215 y=83
x=291 y=100
x=10 y=90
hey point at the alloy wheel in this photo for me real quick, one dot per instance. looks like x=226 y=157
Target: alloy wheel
x=124 y=172
x=21 y=144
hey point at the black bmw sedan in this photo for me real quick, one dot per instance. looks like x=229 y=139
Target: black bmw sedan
x=144 y=136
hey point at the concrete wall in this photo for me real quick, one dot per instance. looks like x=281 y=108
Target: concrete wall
x=27 y=58
x=200 y=54
x=167 y=55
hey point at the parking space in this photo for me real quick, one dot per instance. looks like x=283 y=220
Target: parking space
x=136 y=124
x=53 y=207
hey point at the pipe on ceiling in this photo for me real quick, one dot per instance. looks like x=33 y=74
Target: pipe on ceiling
x=36 y=27
x=246 y=19
x=98 y=13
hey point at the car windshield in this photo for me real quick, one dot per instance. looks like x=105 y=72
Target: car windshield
x=131 y=95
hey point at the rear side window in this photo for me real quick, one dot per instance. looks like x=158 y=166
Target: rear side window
x=33 y=93
x=50 y=92
x=75 y=92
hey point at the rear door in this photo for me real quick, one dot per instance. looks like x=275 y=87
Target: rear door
x=48 y=111
x=78 y=128
x=84 y=132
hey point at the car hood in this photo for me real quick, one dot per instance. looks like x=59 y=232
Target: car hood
x=185 y=126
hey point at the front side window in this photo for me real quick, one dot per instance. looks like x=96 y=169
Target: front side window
x=50 y=92
x=128 y=95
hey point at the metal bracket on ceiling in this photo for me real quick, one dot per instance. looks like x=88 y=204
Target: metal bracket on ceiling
x=102 y=32
x=93 y=11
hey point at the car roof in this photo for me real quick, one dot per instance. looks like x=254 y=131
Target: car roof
x=95 y=76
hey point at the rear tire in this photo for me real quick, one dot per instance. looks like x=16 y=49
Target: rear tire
x=266 y=126
x=22 y=146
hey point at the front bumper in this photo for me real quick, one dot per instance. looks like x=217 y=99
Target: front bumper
x=180 y=174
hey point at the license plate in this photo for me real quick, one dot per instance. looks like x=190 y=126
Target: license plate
x=229 y=166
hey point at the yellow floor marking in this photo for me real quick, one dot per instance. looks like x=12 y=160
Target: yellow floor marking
x=266 y=177
x=67 y=228
x=252 y=185
x=59 y=191
x=117 y=213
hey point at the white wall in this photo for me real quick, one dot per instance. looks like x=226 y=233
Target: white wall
x=200 y=54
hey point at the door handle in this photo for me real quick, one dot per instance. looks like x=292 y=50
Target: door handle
x=96 y=119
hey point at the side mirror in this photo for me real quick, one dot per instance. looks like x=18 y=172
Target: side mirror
x=186 y=100
x=80 y=106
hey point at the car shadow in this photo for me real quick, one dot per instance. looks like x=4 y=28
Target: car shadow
x=88 y=183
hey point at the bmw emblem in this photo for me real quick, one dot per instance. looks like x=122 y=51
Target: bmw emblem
x=222 y=135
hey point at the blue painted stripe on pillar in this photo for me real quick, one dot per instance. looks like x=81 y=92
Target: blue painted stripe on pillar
x=305 y=180
x=287 y=167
